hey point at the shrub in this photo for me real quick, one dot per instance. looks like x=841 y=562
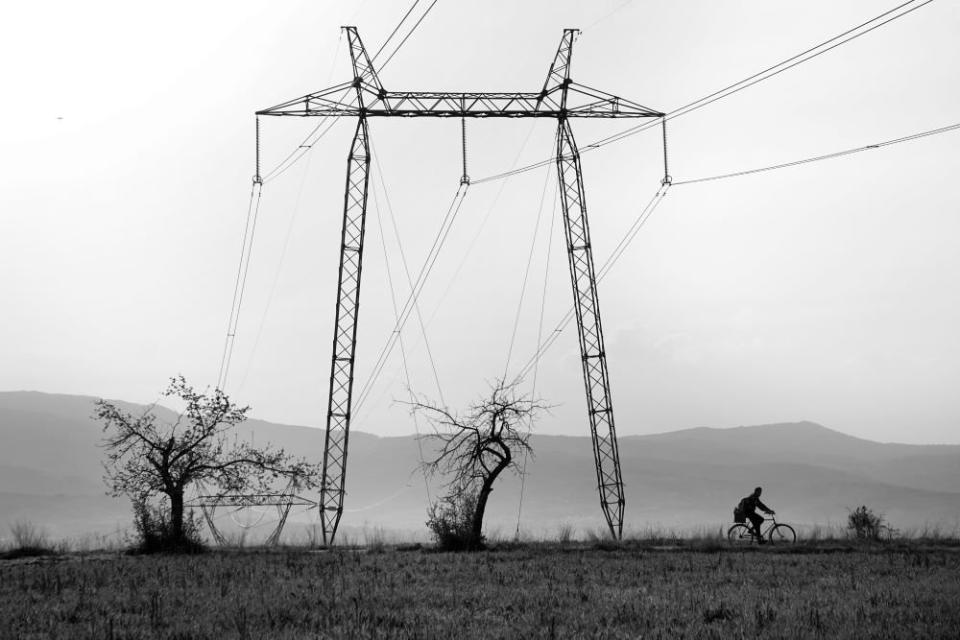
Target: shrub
x=565 y=533
x=450 y=521
x=27 y=534
x=28 y=540
x=375 y=539
x=154 y=530
x=865 y=524
x=598 y=536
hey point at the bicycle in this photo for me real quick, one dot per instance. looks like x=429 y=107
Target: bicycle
x=777 y=533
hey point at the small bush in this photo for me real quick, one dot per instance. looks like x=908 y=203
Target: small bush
x=375 y=539
x=599 y=536
x=865 y=524
x=28 y=540
x=937 y=533
x=450 y=521
x=27 y=534
x=154 y=530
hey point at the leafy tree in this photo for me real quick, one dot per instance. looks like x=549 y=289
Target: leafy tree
x=147 y=458
x=473 y=449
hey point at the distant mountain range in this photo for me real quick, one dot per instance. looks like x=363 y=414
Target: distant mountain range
x=50 y=474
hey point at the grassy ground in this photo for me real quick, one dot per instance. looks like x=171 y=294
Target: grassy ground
x=575 y=590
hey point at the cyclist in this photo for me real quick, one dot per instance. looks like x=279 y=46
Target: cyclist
x=748 y=509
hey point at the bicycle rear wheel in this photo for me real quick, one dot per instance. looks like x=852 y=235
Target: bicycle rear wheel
x=740 y=535
x=782 y=534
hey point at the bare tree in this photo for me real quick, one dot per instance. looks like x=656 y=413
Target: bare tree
x=146 y=458
x=476 y=447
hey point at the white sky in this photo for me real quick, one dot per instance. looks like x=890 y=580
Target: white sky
x=828 y=292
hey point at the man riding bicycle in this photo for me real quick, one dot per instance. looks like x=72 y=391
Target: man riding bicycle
x=748 y=509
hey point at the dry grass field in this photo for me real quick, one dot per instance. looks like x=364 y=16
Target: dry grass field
x=531 y=591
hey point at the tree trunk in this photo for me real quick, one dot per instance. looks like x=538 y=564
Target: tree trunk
x=485 y=489
x=176 y=514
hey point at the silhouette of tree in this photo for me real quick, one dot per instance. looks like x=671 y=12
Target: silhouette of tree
x=865 y=524
x=146 y=458
x=473 y=449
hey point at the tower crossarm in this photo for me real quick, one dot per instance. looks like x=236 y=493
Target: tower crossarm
x=582 y=102
x=365 y=96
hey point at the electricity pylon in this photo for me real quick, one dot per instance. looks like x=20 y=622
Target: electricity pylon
x=560 y=98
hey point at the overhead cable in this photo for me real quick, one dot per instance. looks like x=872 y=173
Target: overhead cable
x=410 y=304
x=774 y=70
x=302 y=149
x=291 y=159
x=249 y=230
x=526 y=274
x=479 y=230
x=607 y=15
x=381 y=359
x=276 y=274
x=771 y=71
x=395 y=29
x=396 y=314
x=533 y=384
x=826 y=156
x=406 y=271
x=661 y=193
x=406 y=37
x=309 y=141
x=615 y=255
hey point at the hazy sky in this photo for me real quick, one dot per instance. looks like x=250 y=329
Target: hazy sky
x=828 y=292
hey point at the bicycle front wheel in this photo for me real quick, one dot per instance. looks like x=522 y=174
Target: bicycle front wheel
x=740 y=535
x=782 y=534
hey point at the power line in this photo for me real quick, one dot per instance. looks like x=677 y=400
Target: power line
x=410 y=303
x=249 y=230
x=306 y=141
x=618 y=251
x=291 y=159
x=546 y=279
x=827 y=156
x=771 y=71
x=526 y=273
x=304 y=147
x=406 y=271
x=480 y=228
x=798 y=59
x=395 y=29
x=378 y=368
x=396 y=314
x=276 y=274
x=658 y=197
x=609 y=14
x=410 y=33
x=533 y=384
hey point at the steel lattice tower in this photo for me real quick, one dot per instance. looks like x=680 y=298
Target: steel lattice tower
x=560 y=98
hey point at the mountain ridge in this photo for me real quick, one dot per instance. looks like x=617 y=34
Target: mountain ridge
x=677 y=433
x=678 y=478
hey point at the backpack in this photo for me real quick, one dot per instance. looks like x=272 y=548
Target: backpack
x=739 y=513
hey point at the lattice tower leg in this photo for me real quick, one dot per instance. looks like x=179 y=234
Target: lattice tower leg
x=208 y=515
x=345 y=334
x=596 y=380
x=283 y=510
